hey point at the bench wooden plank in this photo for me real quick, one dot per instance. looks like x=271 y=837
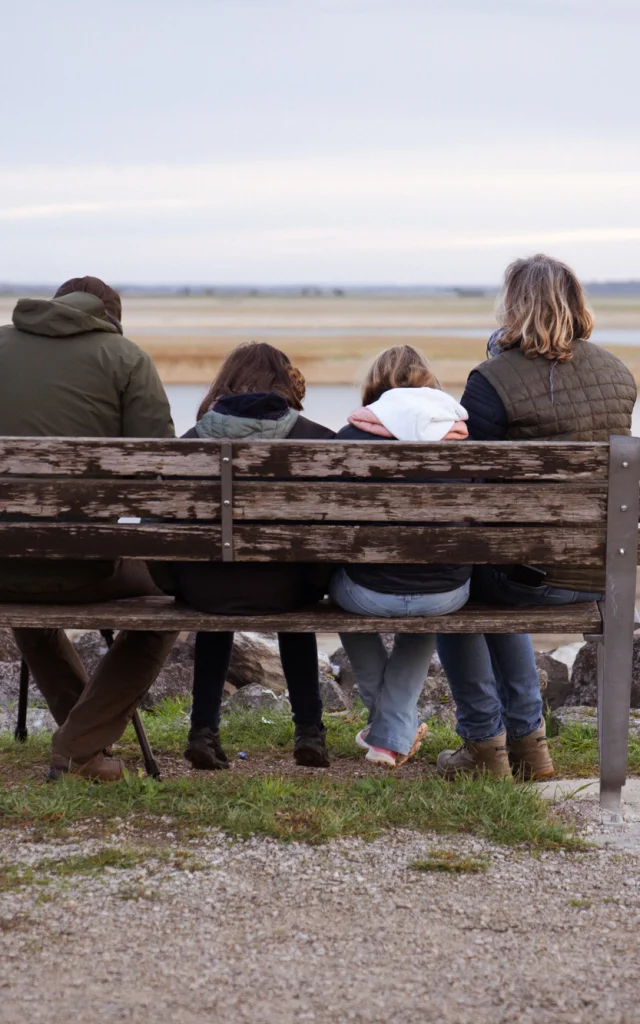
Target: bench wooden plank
x=98 y=457
x=459 y=501
x=162 y=613
x=517 y=460
x=304 y=542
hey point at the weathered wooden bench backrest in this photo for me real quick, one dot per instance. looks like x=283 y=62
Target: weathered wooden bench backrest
x=534 y=502
x=327 y=501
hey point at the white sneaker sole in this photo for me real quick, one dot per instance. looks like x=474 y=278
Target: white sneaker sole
x=378 y=758
x=361 y=742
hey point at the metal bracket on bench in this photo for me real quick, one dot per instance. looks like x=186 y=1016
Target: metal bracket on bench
x=226 y=500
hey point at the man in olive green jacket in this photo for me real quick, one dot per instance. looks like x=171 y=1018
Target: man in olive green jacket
x=67 y=371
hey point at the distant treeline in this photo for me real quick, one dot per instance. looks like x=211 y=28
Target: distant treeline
x=599 y=288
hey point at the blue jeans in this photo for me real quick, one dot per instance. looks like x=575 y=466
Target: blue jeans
x=491 y=584
x=493 y=677
x=390 y=684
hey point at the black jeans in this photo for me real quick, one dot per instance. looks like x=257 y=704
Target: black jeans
x=299 y=657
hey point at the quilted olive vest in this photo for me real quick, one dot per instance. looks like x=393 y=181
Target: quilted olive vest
x=587 y=399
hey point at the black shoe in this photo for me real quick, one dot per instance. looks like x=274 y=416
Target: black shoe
x=204 y=750
x=310 y=746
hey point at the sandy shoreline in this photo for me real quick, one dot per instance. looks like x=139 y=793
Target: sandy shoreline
x=332 y=339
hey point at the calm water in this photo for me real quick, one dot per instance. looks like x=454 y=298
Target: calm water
x=604 y=336
x=329 y=404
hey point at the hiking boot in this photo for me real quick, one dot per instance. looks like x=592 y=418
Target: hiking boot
x=530 y=757
x=474 y=758
x=310 y=746
x=204 y=750
x=97 y=769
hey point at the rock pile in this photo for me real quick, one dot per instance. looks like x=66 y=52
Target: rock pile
x=567 y=676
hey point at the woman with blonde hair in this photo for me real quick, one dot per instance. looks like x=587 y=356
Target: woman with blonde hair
x=544 y=380
x=401 y=400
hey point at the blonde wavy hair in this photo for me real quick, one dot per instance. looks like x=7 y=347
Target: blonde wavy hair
x=401 y=366
x=542 y=309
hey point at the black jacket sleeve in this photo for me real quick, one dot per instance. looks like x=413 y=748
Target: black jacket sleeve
x=487 y=417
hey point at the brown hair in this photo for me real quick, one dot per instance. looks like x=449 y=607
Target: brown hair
x=96 y=287
x=542 y=309
x=401 y=366
x=256 y=367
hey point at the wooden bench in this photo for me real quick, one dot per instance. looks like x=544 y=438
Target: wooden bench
x=327 y=501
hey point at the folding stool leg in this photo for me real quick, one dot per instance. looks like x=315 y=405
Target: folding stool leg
x=21 y=732
x=615 y=654
x=150 y=763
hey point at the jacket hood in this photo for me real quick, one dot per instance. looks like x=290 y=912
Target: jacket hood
x=77 y=313
x=266 y=417
x=417 y=414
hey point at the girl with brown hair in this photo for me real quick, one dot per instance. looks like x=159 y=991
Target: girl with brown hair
x=402 y=401
x=257 y=394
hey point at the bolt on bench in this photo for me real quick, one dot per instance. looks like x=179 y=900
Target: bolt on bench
x=339 y=502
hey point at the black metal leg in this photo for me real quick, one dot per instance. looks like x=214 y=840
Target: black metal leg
x=21 y=731
x=150 y=763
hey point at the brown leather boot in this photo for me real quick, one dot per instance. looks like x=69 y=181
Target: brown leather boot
x=530 y=757
x=98 y=768
x=476 y=758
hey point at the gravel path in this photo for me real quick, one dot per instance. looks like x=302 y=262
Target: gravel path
x=271 y=934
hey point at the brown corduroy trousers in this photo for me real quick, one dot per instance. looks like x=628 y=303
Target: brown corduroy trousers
x=93 y=713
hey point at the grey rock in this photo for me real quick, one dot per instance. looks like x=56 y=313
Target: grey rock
x=38 y=720
x=10 y=685
x=256 y=660
x=555 y=683
x=584 y=680
x=8 y=647
x=566 y=717
x=333 y=696
x=176 y=678
x=256 y=698
x=91 y=647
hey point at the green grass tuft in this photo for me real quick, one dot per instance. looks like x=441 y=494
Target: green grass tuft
x=449 y=861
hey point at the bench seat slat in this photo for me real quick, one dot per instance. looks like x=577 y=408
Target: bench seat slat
x=164 y=614
x=97 y=457
x=304 y=542
x=457 y=501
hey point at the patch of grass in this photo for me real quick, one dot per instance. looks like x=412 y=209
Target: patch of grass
x=312 y=809
x=13 y=876
x=581 y=904
x=449 y=861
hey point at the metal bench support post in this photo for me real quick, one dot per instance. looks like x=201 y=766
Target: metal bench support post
x=615 y=654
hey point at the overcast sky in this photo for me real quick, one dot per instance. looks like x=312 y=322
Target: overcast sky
x=326 y=141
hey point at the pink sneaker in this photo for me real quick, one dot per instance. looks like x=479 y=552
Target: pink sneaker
x=380 y=755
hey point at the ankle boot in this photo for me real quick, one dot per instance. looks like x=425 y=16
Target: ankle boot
x=204 y=750
x=530 y=757
x=98 y=768
x=476 y=758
